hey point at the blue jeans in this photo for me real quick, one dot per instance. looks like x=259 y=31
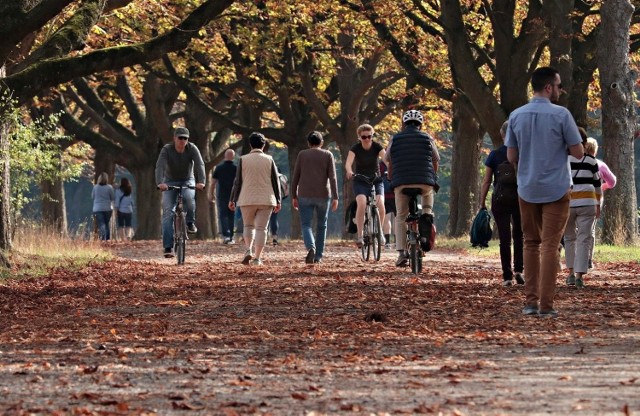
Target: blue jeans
x=321 y=207
x=226 y=218
x=102 y=219
x=169 y=207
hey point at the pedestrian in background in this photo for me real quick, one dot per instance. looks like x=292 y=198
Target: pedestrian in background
x=124 y=209
x=539 y=134
x=505 y=210
x=389 y=206
x=609 y=181
x=220 y=192
x=314 y=188
x=584 y=209
x=103 y=197
x=256 y=191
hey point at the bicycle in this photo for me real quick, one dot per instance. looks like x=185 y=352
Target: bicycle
x=414 y=249
x=372 y=230
x=180 y=235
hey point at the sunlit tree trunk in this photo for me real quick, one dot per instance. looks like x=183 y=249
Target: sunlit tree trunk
x=53 y=206
x=467 y=140
x=618 y=121
x=5 y=195
x=148 y=203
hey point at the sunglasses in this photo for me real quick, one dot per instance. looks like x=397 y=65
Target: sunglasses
x=183 y=138
x=366 y=137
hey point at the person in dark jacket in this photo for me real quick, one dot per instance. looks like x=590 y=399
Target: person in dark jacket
x=223 y=176
x=506 y=212
x=412 y=163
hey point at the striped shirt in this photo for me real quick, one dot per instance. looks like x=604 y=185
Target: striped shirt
x=585 y=176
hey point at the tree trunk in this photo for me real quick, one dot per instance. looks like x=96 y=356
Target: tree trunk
x=618 y=121
x=54 y=213
x=148 y=204
x=5 y=195
x=467 y=140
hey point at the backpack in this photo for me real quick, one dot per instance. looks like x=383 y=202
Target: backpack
x=284 y=185
x=427 y=229
x=481 y=229
x=506 y=186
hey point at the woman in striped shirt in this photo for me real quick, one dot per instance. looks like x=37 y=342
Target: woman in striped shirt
x=584 y=209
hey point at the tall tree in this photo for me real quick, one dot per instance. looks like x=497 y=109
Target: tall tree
x=618 y=120
x=29 y=67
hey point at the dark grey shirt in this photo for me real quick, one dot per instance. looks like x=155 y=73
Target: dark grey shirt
x=174 y=166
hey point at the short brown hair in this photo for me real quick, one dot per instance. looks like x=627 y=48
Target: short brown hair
x=364 y=127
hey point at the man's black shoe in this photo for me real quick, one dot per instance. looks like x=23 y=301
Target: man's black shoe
x=310 y=255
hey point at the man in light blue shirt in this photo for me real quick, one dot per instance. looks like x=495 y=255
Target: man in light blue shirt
x=539 y=138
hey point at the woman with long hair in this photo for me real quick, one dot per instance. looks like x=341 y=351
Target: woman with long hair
x=124 y=208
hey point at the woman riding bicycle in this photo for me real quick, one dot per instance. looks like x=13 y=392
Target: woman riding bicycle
x=413 y=163
x=366 y=154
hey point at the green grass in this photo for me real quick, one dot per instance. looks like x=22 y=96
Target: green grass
x=38 y=251
x=602 y=253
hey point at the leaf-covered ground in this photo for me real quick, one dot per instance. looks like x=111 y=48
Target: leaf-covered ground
x=141 y=335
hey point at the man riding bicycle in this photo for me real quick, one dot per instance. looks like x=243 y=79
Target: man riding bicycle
x=175 y=167
x=365 y=153
x=412 y=163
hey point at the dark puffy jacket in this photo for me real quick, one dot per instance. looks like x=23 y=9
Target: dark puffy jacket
x=411 y=158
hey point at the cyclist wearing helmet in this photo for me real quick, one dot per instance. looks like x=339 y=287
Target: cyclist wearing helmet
x=366 y=153
x=413 y=163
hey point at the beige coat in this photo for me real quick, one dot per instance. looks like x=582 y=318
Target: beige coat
x=253 y=184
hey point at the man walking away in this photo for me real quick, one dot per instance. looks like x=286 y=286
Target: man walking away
x=314 y=186
x=223 y=176
x=539 y=135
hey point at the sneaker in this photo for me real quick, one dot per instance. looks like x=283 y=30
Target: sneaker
x=579 y=283
x=275 y=242
x=317 y=260
x=168 y=252
x=191 y=228
x=228 y=240
x=310 y=256
x=359 y=242
x=519 y=278
x=530 y=310
x=247 y=257
x=387 y=246
x=548 y=314
x=571 y=280
x=256 y=262
x=403 y=258
x=507 y=283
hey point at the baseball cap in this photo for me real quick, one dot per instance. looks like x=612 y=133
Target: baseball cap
x=181 y=132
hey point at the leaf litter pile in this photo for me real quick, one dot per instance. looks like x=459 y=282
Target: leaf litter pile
x=141 y=335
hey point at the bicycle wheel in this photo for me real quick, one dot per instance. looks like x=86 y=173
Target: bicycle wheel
x=376 y=234
x=366 y=239
x=180 y=232
x=413 y=258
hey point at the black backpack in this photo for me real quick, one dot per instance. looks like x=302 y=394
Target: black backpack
x=506 y=187
x=481 y=229
x=427 y=229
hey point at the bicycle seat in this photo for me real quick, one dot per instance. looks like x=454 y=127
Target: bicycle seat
x=411 y=192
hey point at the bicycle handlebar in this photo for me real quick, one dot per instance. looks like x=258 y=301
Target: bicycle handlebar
x=376 y=179
x=174 y=187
